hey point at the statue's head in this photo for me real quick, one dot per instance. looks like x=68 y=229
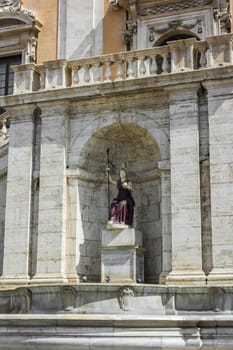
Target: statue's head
x=122 y=173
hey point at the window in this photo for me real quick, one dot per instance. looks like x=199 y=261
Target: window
x=6 y=74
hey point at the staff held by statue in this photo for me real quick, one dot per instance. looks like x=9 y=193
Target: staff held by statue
x=108 y=165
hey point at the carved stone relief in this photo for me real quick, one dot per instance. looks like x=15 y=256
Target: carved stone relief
x=223 y=16
x=171 y=7
x=178 y=24
x=10 y=5
x=15 y=6
x=17 y=301
x=125 y=298
x=68 y=298
x=220 y=299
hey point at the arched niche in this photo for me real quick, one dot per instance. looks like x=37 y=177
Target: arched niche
x=129 y=143
x=172 y=35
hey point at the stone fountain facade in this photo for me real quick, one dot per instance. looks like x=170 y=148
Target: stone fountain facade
x=165 y=108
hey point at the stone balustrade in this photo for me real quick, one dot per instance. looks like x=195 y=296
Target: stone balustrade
x=177 y=56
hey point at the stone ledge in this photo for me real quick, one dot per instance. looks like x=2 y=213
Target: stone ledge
x=118 y=88
x=108 y=298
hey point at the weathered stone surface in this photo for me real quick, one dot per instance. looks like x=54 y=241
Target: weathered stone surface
x=165 y=109
x=122 y=255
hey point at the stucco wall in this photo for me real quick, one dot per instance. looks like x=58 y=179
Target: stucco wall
x=47 y=14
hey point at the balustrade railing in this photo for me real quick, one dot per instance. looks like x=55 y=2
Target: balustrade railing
x=177 y=56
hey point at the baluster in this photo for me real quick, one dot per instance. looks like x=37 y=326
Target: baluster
x=96 y=72
x=203 y=60
x=108 y=71
x=154 y=66
x=4 y=128
x=142 y=66
x=42 y=80
x=130 y=69
x=86 y=77
x=75 y=76
x=119 y=72
x=165 y=64
x=230 y=52
x=211 y=62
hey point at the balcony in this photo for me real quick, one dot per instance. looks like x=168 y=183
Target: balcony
x=178 y=56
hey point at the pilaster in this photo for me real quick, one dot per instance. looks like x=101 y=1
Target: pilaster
x=220 y=106
x=185 y=188
x=18 y=196
x=165 y=176
x=50 y=265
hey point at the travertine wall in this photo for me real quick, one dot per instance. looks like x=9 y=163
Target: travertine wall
x=57 y=202
x=80 y=28
x=220 y=102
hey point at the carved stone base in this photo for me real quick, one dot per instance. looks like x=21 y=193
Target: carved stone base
x=14 y=281
x=48 y=279
x=222 y=277
x=112 y=226
x=122 y=256
x=185 y=278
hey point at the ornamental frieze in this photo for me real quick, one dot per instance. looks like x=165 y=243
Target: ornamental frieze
x=160 y=9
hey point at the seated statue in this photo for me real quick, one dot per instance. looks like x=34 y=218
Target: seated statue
x=122 y=207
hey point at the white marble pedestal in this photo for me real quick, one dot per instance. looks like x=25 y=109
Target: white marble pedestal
x=122 y=255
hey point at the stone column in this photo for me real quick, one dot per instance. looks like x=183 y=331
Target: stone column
x=50 y=265
x=18 y=197
x=185 y=187
x=220 y=107
x=164 y=168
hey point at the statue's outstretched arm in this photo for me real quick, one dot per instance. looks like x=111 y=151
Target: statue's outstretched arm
x=107 y=171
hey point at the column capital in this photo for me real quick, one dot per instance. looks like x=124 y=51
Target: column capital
x=22 y=113
x=219 y=87
x=56 y=109
x=183 y=92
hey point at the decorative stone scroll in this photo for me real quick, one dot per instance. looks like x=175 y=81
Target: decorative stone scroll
x=15 y=6
x=10 y=5
x=223 y=16
x=131 y=24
